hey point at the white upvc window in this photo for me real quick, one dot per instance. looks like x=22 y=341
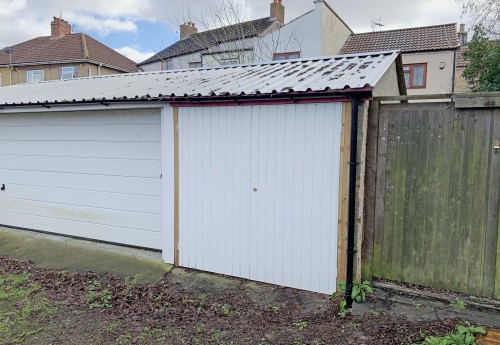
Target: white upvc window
x=67 y=73
x=35 y=76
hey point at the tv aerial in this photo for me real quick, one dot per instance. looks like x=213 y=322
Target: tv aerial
x=377 y=24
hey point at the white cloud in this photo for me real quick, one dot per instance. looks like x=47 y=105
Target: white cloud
x=21 y=20
x=102 y=26
x=11 y=6
x=134 y=54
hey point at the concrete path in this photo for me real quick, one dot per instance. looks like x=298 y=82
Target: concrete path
x=65 y=253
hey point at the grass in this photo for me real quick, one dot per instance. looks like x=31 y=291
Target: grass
x=24 y=308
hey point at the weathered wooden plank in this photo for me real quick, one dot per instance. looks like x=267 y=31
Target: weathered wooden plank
x=343 y=192
x=454 y=275
x=478 y=102
x=400 y=194
x=443 y=155
x=421 y=190
x=380 y=193
x=416 y=106
x=389 y=202
x=432 y=195
x=370 y=191
x=480 y=150
x=412 y=224
x=491 y=284
x=413 y=97
x=497 y=276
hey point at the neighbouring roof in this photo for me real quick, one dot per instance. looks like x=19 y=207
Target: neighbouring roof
x=425 y=38
x=342 y=73
x=206 y=39
x=66 y=49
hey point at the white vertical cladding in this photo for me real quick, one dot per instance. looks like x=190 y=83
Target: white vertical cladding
x=167 y=185
x=259 y=192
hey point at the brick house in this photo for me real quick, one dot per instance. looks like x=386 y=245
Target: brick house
x=62 y=55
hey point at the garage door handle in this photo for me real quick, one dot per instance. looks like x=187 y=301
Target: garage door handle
x=3 y=187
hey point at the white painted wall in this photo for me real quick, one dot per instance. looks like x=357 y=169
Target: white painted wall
x=439 y=80
x=259 y=192
x=92 y=174
x=302 y=34
x=334 y=31
x=319 y=32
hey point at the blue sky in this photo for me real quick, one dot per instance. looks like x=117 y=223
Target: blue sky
x=140 y=28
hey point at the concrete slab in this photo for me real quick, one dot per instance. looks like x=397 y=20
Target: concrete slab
x=57 y=252
x=424 y=309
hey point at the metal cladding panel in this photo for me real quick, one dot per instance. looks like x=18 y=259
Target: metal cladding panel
x=259 y=192
x=303 y=75
x=89 y=174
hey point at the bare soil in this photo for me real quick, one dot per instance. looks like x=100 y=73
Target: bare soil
x=88 y=308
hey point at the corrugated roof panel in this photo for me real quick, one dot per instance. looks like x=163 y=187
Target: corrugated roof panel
x=303 y=75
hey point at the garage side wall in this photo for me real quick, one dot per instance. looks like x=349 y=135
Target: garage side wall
x=259 y=192
x=90 y=174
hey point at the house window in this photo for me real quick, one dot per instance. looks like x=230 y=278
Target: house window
x=35 y=76
x=415 y=75
x=67 y=73
x=167 y=65
x=286 y=56
x=196 y=64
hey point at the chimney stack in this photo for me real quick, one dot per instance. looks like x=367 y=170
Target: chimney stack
x=278 y=11
x=188 y=29
x=462 y=35
x=59 y=27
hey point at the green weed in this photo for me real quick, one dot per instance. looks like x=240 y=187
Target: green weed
x=465 y=335
x=459 y=303
x=98 y=297
x=301 y=325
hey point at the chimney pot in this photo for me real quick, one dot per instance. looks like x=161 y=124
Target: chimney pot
x=187 y=29
x=462 y=35
x=278 y=11
x=59 y=27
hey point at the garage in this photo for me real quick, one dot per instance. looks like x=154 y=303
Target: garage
x=259 y=190
x=240 y=170
x=91 y=174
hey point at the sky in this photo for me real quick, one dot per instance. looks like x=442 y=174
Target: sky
x=140 y=28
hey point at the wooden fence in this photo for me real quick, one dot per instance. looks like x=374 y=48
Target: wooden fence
x=432 y=196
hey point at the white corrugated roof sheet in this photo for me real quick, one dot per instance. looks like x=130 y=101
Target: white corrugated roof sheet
x=336 y=73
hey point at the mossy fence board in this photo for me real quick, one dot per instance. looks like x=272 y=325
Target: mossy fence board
x=433 y=197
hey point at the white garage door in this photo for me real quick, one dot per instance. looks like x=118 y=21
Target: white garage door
x=88 y=174
x=259 y=192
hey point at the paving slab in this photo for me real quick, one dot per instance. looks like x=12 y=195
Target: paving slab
x=420 y=308
x=58 y=252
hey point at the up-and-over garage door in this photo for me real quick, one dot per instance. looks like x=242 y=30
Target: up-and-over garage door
x=258 y=192
x=94 y=174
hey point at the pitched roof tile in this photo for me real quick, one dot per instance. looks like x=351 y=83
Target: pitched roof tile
x=203 y=40
x=426 y=38
x=66 y=49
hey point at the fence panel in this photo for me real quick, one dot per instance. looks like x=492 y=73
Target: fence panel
x=434 y=209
